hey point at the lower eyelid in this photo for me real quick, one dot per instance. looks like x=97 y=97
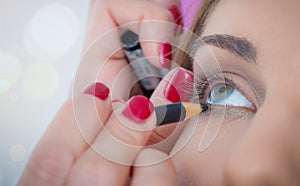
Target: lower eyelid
x=248 y=109
x=230 y=113
x=237 y=113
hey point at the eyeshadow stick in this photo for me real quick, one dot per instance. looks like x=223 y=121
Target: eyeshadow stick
x=149 y=76
x=175 y=112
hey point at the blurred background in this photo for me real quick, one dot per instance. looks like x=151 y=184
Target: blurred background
x=40 y=48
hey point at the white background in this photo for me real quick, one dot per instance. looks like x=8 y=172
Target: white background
x=40 y=48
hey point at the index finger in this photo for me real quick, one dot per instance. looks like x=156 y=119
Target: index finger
x=74 y=127
x=116 y=146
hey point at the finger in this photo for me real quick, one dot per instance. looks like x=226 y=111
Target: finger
x=174 y=7
x=166 y=49
x=177 y=86
x=108 y=160
x=104 y=59
x=151 y=21
x=74 y=126
x=153 y=167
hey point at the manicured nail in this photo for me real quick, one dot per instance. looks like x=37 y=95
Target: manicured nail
x=179 y=88
x=98 y=90
x=176 y=14
x=165 y=55
x=138 y=109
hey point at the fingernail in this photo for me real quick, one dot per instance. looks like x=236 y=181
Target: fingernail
x=165 y=55
x=138 y=109
x=179 y=88
x=98 y=90
x=176 y=14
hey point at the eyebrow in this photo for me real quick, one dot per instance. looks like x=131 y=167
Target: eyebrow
x=238 y=46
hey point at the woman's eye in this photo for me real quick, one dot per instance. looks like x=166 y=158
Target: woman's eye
x=224 y=94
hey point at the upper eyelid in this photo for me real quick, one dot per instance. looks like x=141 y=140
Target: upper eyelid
x=204 y=65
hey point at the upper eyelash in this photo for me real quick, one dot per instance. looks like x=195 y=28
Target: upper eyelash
x=201 y=87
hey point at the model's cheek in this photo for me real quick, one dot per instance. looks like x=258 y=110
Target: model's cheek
x=206 y=167
x=268 y=154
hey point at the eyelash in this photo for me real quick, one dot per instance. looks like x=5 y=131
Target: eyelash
x=202 y=88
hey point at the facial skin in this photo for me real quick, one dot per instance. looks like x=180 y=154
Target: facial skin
x=253 y=147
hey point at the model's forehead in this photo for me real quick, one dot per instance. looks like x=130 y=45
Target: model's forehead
x=259 y=16
x=272 y=26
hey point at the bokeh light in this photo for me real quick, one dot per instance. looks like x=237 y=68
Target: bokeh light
x=40 y=81
x=52 y=31
x=17 y=153
x=4 y=85
x=10 y=71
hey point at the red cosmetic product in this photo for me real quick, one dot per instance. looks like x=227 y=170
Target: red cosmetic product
x=98 y=90
x=138 y=109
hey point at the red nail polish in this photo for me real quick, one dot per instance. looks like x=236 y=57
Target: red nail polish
x=176 y=14
x=179 y=88
x=138 y=109
x=165 y=55
x=98 y=90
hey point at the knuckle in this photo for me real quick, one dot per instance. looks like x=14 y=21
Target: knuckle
x=127 y=136
x=50 y=167
x=87 y=172
x=74 y=106
x=93 y=170
x=159 y=13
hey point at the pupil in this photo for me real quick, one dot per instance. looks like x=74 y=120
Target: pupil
x=222 y=90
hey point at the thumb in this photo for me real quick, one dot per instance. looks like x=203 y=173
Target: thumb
x=176 y=86
x=153 y=167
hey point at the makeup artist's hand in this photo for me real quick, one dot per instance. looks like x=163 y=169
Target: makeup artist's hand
x=94 y=141
x=76 y=149
x=153 y=20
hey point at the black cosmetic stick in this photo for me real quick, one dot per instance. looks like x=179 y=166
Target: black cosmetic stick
x=149 y=76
